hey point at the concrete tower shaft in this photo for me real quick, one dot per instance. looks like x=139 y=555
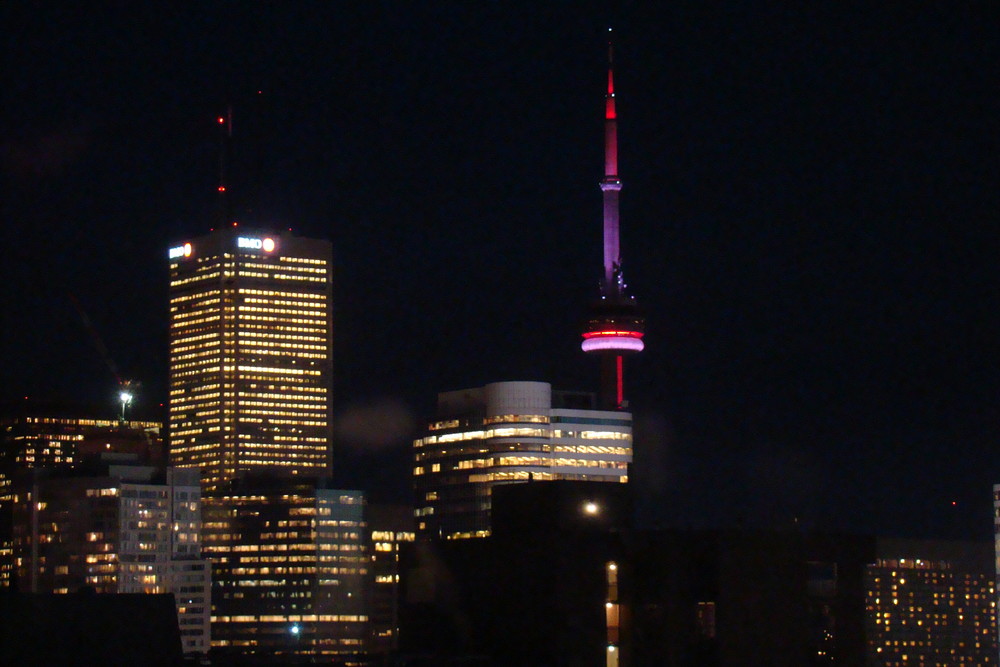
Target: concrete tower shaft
x=610 y=185
x=615 y=326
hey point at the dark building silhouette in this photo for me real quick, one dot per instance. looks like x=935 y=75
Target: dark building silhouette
x=390 y=527
x=563 y=580
x=89 y=629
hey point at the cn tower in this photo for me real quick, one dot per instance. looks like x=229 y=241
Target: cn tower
x=616 y=326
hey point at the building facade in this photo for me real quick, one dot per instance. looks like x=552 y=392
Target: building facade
x=250 y=354
x=50 y=440
x=505 y=433
x=53 y=437
x=931 y=603
x=391 y=528
x=291 y=567
x=129 y=529
x=250 y=406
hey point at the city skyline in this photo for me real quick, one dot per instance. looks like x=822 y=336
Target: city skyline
x=809 y=218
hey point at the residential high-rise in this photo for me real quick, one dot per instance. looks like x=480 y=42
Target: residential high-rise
x=616 y=326
x=510 y=432
x=60 y=438
x=115 y=529
x=931 y=603
x=250 y=354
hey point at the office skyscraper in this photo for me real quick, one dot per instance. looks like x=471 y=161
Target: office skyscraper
x=506 y=433
x=290 y=568
x=250 y=354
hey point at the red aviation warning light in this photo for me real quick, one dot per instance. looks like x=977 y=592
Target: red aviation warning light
x=616 y=324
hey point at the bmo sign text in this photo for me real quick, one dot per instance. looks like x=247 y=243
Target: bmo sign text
x=267 y=245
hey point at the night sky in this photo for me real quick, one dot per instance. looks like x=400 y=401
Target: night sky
x=809 y=216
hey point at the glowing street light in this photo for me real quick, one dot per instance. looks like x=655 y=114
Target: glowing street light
x=126 y=398
x=591 y=508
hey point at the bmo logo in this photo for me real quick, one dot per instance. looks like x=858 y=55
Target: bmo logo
x=267 y=245
x=180 y=251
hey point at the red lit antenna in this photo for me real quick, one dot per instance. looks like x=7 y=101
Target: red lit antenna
x=610 y=118
x=225 y=124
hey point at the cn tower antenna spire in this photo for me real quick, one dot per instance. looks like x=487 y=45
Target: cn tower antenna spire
x=616 y=326
x=610 y=138
x=610 y=185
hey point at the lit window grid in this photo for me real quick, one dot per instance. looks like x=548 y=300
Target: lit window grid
x=41 y=442
x=117 y=538
x=924 y=612
x=196 y=319
x=453 y=457
x=277 y=551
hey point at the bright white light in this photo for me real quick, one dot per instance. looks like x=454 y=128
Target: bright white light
x=627 y=343
x=590 y=508
x=125 y=397
x=295 y=629
x=268 y=245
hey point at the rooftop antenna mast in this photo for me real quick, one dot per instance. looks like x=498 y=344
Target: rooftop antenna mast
x=225 y=124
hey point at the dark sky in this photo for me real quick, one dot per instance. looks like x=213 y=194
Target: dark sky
x=810 y=217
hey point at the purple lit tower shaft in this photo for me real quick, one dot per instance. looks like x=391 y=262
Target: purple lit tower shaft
x=615 y=327
x=610 y=185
